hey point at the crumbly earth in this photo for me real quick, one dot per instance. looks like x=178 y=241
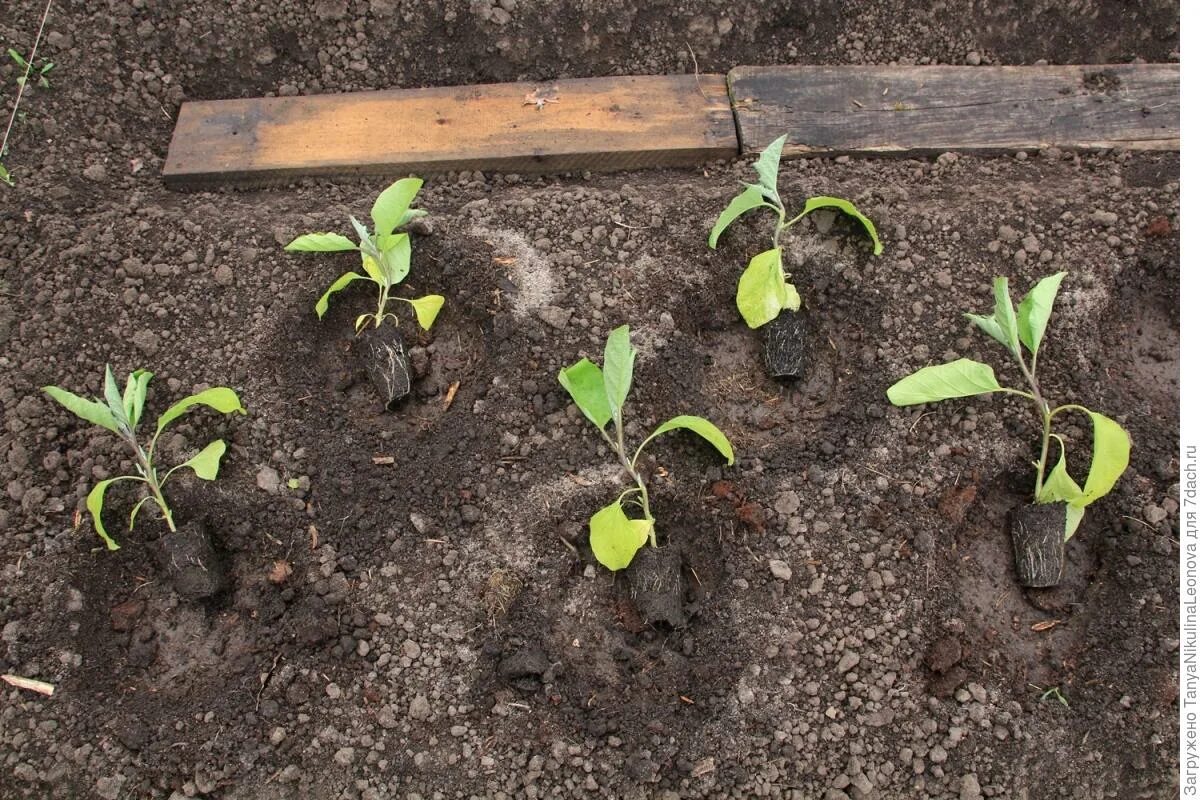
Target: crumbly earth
x=436 y=626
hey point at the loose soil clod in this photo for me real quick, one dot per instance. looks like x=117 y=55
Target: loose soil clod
x=382 y=354
x=785 y=344
x=656 y=584
x=1038 y=543
x=195 y=568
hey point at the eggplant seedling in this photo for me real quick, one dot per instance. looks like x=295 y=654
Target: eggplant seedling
x=615 y=537
x=120 y=413
x=1040 y=530
x=386 y=261
x=764 y=290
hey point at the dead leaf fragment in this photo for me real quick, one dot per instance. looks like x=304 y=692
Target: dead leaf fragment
x=41 y=687
x=540 y=96
x=450 y=393
x=383 y=460
x=1044 y=625
x=280 y=571
x=312 y=536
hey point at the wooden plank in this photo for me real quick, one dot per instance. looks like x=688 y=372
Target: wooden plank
x=591 y=123
x=924 y=110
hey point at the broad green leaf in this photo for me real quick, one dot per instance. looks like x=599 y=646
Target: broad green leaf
x=335 y=287
x=1002 y=324
x=701 y=427
x=426 y=308
x=112 y=396
x=585 y=383
x=846 y=207
x=1059 y=486
x=1074 y=517
x=397 y=258
x=763 y=290
x=364 y=236
x=1110 y=457
x=387 y=241
x=619 y=355
x=90 y=410
x=748 y=200
x=392 y=204
x=205 y=463
x=95 y=504
x=767 y=167
x=320 y=243
x=961 y=378
x=1034 y=312
x=373 y=270
x=219 y=398
x=135 y=395
x=615 y=538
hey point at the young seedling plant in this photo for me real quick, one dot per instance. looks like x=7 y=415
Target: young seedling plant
x=764 y=289
x=120 y=413
x=600 y=394
x=1021 y=331
x=38 y=70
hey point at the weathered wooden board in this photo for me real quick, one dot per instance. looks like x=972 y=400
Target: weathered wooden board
x=921 y=110
x=591 y=123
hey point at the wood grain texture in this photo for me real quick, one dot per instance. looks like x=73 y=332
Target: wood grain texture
x=596 y=124
x=924 y=110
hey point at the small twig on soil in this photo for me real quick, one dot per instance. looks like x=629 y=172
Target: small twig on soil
x=41 y=687
x=450 y=394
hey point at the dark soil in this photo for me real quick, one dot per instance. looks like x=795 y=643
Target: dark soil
x=411 y=610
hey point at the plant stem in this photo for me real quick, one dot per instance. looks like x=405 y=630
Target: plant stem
x=1044 y=410
x=618 y=447
x=151 y=475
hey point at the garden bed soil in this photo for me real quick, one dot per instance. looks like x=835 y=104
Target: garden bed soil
x=411 y=608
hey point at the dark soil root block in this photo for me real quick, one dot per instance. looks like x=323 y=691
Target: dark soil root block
x=381 y=352
x=1038 y=532
x=656 y=584
x=785 y=344
x=196 y=570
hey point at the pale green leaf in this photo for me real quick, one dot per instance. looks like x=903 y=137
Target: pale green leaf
x=1059 y=486
x=1074 y=517
x=335 y=287
x=701 y=427
x=136 y=508
x=205 y=463
x=95 y=505
x=362 y=321
x=134 y=398
x=585 y=383
x=392 y=204
x=1110 y=457
x=763 y=290
x=112 y=396
x=364 y=235
x=619 y=355
x=373 y=270
x=219 y=398
x=320 y=243
x=748 y=200
x=1034 y=312
x=427 y=309
x=397 y=258
x=1002 y=324
x=614 y=538
x=90 y=410
x=767 y=167
x=846 y=207
x=961 y=378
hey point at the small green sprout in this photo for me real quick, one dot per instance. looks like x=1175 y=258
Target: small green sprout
x=600 y=395
x=120 y=413
x=39 y=69
x=1053 y=693
x=1025 y=327
x=5 y=177
x=764 y=290
x=386 y=255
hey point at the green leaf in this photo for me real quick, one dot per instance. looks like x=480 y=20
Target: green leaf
x=392 y=204
x=205 y=463
x=373 y=270
x=1002 y=324
x=701 y=427
x=112 y=396
x=615 y=538
x=219 y=398
x=397 y=258
x=136 y=508
x=748 y=200
x=767 y=167
x=335 y=287
x=361 y=322
x=1074 y=517
x=90 y=410
x=1034 y=312
x=619 y=355
x=961 y=378
x=1059 y=486
x=17 y=57
x=135 y=395
x=585 y=383
x=364 y=236
x=845 y=206
x=95 y=504
x=320 y=243
x=763 y=290
x=1110 y=457
x=426 y=308
x=5 y=176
